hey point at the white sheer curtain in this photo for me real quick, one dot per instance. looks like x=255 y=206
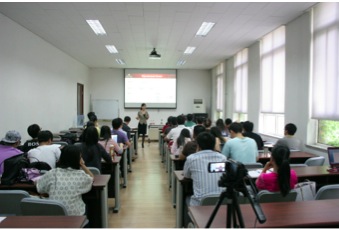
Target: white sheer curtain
x=241 y=81
x=273 y=72
x=325 y=72
x=220 y=87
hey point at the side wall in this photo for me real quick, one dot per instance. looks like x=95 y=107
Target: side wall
x=38 y=82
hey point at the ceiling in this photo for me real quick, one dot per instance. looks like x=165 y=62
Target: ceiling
x=136 y=28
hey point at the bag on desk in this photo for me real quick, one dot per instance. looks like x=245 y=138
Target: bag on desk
x=305 y=190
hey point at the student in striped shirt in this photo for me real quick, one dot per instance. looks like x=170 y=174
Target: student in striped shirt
x=196 y=168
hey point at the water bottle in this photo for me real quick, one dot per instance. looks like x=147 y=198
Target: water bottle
x=111 y=151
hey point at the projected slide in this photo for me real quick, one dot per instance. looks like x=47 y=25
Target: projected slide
x=156 y=88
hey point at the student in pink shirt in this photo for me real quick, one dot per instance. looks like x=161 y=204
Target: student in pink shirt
x=282 y=178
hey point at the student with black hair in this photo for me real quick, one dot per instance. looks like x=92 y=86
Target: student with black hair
x=125 y=126
x=46 y=151
x=117 y=130
x=92 y=151
x=283 y=178
x=189 y=123
x=219 y=139
x=240 y=148
x=175 y=132
x=222 y=127
x=180 y=142
x=289 y=139
x=32 y=131
x=228 y=122
x=248 y=132
x=106 y=140
x=68 y=181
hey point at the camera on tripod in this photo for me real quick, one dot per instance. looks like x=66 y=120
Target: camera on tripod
x=233 y=174
x=234 y=179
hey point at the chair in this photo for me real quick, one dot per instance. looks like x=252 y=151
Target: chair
x=253 y=165
x=94 y=170
x=298 y=165
x=42 y=207
x=328 y=192
x=62 y=143
x=10 y=202
x=265 y=196
x=315 y=161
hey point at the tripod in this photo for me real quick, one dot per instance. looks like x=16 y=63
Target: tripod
x=233 y=209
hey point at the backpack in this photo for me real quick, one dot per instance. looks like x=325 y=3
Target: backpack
x=12 y=169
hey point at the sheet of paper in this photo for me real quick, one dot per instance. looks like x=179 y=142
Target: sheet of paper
x=2 y=218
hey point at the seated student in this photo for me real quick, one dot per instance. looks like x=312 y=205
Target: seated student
x=240 y=148
x=8 y=147
x=68 y=181
x=106 y=140
x=196 y=168
x=83 y=134
x=172 y=124
x=175 y=132
x=248 y=132
x=94 y=119
x=289 y=139
x=219 y=139
x=122 y=136
x=283 y=178
x=192 y=146
x=190 y=123
x=222 y=127
x=207 y=123
x=33 y=131
x=125 y=126
x=180 y=142
x=92 y=151
x=167 y=125
x=46 y=151
x=228 y=122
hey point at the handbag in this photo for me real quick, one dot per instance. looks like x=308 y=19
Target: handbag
x=305 y=190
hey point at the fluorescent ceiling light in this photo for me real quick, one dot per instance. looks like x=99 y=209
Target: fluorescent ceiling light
x=120 y=61
x=181 y=62
x=96 y=27
x=189 y=50
x=204 y=29
x=112 y=49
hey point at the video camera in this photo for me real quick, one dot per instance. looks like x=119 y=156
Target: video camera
x=233 y=176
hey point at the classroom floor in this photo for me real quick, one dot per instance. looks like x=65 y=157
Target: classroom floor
x=146 y=202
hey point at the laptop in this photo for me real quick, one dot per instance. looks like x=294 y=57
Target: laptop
x=333 y=157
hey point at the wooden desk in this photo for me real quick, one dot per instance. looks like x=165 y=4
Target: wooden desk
x=43 y=222
x=95 y=199
x=303 y=214
x=176 y=164
x=135 y=135
x=295 y=157
x=319 y=174
x=114 y=181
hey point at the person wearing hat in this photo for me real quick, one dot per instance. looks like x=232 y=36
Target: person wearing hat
x=8 y=147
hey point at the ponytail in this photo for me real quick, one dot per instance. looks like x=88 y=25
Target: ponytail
x=284 y=175
x=281 y=155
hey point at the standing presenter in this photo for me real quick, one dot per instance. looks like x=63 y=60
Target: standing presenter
x=142 y=118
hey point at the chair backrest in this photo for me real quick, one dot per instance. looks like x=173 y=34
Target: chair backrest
x=10 y=202
x=213 y=199
x=62 y=143
x=298 y=165
x=328 y=192
x=265 y=196
x=42 y=207
x=315 y=161
x=253 y=165
x=94 y=170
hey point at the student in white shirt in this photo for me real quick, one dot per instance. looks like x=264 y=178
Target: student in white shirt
x=46 y=151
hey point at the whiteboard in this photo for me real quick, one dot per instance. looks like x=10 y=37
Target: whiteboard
x=105 y=109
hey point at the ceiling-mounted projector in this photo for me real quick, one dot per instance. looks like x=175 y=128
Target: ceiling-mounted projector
x=154 y=55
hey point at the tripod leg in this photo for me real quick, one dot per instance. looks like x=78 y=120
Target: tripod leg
x=221 y=198
x=229 y=215
x=237 y=211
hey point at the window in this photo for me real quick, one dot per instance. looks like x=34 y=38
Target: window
x=325 y=72
x=220 y=88
x=239 y=117
x=240 y=81
x=272 y=82
x=328 y=132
